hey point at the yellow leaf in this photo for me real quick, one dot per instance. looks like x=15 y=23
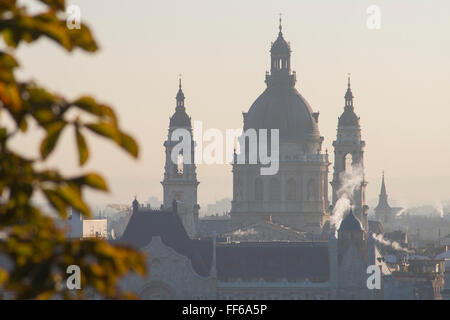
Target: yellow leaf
x=53 y=132
x=83 y=151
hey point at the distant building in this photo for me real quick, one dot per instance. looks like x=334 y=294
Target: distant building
x=180 y=178
x=383 y=210
x=446 y=257
x=278 y=242
x=207 y=225
x=95 y=228
x=185 y=268
x=297 y=195
x=349 y=157
x=91 y=228
x=421 y=279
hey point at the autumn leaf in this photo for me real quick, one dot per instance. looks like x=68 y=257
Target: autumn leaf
x=53 y=132
x=83 y=151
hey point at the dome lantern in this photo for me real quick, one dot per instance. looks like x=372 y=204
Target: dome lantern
x=280 y=62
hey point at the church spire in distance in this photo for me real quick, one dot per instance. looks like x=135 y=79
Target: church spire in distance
x=383 y=187
x=383 y=197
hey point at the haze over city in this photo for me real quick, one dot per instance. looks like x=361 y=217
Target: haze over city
x=400 y=75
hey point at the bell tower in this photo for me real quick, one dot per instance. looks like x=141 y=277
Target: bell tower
x=349 y=159
x=180 y=178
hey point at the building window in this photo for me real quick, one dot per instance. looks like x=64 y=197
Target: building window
x=180 y=164
x=312 y=189
x=291 y=190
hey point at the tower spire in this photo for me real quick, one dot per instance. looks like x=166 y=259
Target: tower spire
x=383 y=197
x=383 y=187
x=349 y=95
x=280 y=27
x=180 y=96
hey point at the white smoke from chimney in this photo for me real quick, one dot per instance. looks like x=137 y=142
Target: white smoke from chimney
x=350 y=181
x=393 y=244
x=340 y=208
x=400 y=212
x=439 y=208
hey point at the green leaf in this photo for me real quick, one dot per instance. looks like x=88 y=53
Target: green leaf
x=95 y=181
x=56 y=201
x=92 y=180
x=88 y=104
x=83 y=38
x=56 y=4
x=105 y=129
x=53 y=132
x=10 y=97
x=83 y=151
x=72 y=197
x=129 y=145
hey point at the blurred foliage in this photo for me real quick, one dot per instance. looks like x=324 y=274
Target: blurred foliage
x=34 y=252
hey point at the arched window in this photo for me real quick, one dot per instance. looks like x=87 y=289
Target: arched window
x=291 y=189
x=180 y=163
x=259 y=189
x=275 y=190
x=311 y=189
x=348 y=163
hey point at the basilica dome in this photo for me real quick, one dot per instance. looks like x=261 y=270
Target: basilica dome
x=283 y=108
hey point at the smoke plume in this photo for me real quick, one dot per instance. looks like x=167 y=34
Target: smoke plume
x=400 y=212
x=393 y=244
x=350 y=181
x=439 y=208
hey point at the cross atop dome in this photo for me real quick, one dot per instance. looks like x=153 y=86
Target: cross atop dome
x=280 y=27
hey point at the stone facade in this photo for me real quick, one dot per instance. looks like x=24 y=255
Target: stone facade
x=169 y=276
x=180 y=178
x=297 y=195
x=349 y=159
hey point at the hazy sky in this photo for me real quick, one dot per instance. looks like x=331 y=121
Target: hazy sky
x=400 y=80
